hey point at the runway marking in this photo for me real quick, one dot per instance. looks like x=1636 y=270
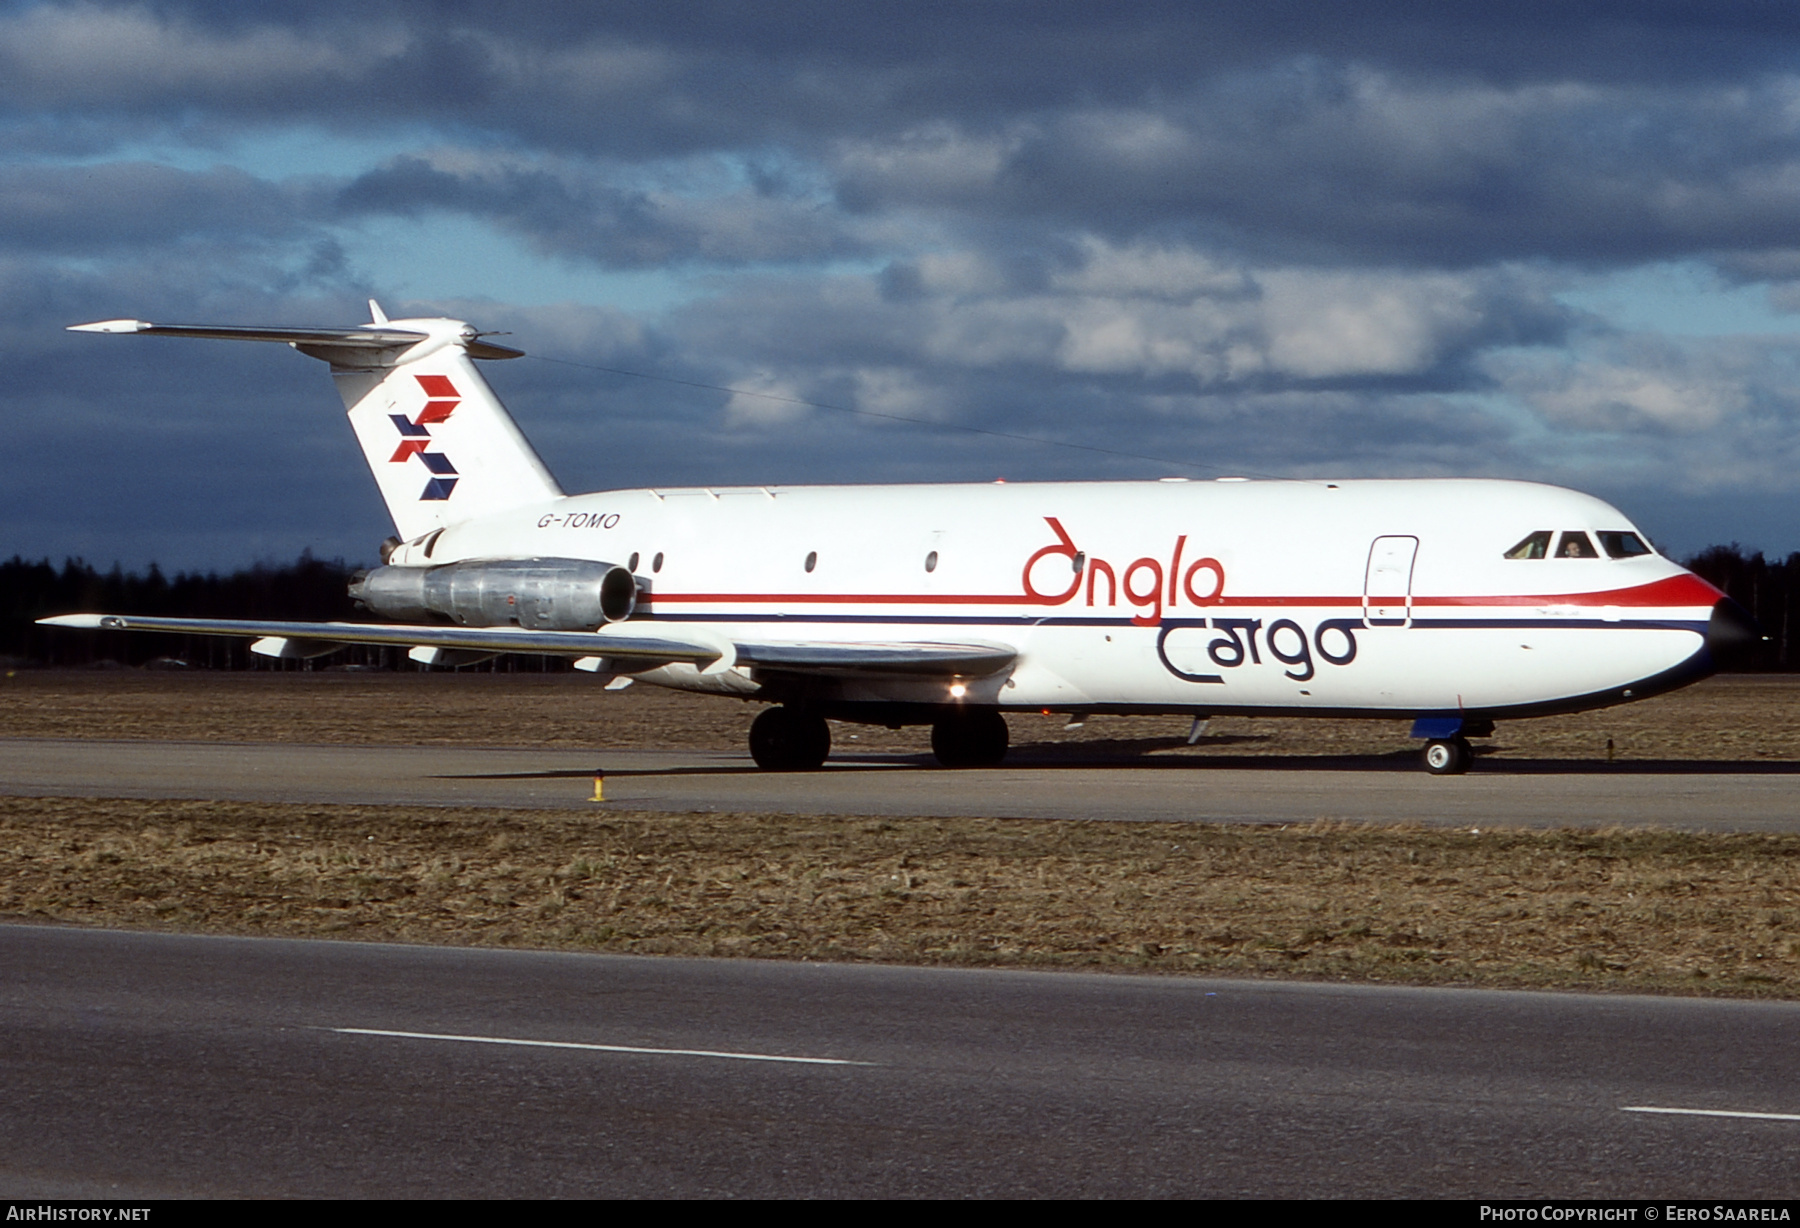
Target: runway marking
x=570 y=1044
x=1645 y=1108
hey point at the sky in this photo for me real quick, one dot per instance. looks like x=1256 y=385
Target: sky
x=1556 y=241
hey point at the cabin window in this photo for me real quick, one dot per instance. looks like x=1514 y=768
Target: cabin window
x=656 y=563
x=812 y=559
x=931 y=561
x=1535 y=546
x=1622 y=545
x=1575 y=545
x=632 y=562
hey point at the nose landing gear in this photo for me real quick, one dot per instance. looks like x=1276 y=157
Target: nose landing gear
x=1448 y=756
x=1447 y=750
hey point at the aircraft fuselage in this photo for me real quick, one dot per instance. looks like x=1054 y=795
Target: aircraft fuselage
x=1390 y=598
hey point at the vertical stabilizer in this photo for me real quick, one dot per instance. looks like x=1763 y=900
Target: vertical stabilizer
x=441 y=446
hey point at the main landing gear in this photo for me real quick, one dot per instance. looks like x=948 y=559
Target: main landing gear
x=1448 y=756
x=969 y=737
x=789 y=740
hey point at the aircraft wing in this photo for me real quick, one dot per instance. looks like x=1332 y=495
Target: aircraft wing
x=648 y=649
x=636 y=645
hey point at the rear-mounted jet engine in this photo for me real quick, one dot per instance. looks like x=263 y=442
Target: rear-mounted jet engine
x=538 y=594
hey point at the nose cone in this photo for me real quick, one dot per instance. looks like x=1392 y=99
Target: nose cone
x=1733 y=638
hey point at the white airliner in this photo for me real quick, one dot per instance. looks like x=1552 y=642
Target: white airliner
x=1450 y=603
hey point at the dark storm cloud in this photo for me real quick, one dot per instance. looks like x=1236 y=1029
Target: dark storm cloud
x=822 y=65
x=570 y=213
x=1412 y=133
x=1278 y=238
x=132 y=204
x=1336 y=162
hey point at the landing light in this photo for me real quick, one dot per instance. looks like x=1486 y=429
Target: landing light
x=958 y=690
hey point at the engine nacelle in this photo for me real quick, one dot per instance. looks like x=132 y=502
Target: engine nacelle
x=539 y=594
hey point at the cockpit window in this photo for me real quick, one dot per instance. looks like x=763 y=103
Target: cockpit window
x=1622 y=545
x=1534 y=547
x=1575 y=545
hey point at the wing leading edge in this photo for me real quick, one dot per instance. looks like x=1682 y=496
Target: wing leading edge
x=631 y=649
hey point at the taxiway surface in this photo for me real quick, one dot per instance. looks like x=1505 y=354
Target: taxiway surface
x=1702 y=796
x=145 y=1065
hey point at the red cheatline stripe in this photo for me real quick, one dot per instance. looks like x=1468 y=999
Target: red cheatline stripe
x=840 y=599
x=437 y=385
x=1676 y=591
x=435 y=411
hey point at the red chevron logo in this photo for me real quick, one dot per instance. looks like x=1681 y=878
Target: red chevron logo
x=442 y=399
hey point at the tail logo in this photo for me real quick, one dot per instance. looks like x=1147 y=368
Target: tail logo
x=441 y=400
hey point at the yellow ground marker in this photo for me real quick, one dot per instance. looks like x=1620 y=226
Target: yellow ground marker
x=599 y=787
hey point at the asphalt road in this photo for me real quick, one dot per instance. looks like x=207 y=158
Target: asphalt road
x=1721 y=797
x=140 y=1065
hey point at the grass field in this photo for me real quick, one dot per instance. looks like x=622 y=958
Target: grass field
x=1624 y=910
x=1741 y=717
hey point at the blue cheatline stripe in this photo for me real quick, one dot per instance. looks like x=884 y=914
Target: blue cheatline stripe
x=437 y=462
x=406 y=426
x=438 y=488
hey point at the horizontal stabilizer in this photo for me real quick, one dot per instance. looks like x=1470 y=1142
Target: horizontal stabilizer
x=361 y=337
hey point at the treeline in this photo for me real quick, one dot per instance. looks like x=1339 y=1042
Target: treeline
x=314 y=590
x=1769 y=589
x=309 y=589
x=306 y=590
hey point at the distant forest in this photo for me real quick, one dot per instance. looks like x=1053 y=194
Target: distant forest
x=312 y=590
x=308 y=590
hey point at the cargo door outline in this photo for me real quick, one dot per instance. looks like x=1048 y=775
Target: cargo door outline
x=1387 y=581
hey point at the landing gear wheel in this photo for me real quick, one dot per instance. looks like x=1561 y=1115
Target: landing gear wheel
x=973 y=737
x=1447 y=756
x=789 y=740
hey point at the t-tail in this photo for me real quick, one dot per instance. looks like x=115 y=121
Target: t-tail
x=442 y=447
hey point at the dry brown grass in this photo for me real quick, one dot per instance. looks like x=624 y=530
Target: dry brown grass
x=1619 y=910
x=1741 y=718
x=1622 y=910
